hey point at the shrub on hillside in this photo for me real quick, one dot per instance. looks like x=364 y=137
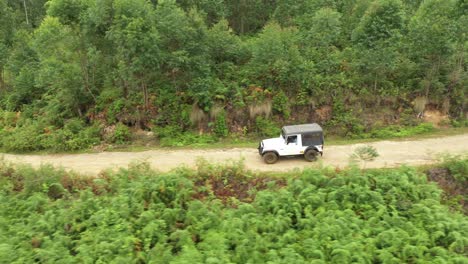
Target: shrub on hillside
x=345 y=122
x=34 y=136
x=74 y=138
x=25 y=138
x=281 y=105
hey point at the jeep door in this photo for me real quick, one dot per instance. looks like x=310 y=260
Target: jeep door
x=293 y=145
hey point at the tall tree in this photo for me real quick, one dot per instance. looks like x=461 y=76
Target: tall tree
x=276 y=61
x=6 y=35
x=249 y=16
x=22 y=66
x=60 y=70
x=214 y=10
x=320 y=37
x=28 y=13
x=290 y=12
x=376 y=38
x=431 y=33
x=183 y=45
x=136 y=42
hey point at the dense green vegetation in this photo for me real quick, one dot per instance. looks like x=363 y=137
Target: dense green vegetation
x=452 y=177
x=82 y=72
x=225 y=214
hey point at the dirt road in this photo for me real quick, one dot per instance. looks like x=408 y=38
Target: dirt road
x=392 y=153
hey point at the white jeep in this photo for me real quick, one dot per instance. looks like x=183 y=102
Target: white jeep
x=306 y=139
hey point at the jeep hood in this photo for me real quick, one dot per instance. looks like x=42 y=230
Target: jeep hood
x=272 y=143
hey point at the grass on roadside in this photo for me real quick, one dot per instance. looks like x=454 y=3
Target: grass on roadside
x=192 y=141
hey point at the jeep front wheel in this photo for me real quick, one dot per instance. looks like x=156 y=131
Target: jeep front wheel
x=270 y=157
x=311 y=155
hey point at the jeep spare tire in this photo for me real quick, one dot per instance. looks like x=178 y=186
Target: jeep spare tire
x=311 y=155
x=270 y=157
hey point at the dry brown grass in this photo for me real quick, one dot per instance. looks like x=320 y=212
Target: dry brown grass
x=197 y=116
x=216 y=110
x=445 y=108
x=324 y=113
x=419 y=104
x=435 y=117
x=258 y=109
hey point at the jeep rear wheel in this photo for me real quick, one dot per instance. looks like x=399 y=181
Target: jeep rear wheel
x=270 y=157
x=311 y=155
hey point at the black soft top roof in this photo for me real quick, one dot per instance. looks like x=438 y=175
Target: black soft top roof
x=301 y=129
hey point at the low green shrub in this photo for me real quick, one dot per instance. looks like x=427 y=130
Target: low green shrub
x=166 y=131
x=187 y=139
x=172 y=136
x=398 y=131
x=364 y=153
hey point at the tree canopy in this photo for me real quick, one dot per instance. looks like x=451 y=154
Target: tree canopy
x=177 y=63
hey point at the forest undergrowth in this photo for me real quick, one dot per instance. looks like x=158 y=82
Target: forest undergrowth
x=227 y=214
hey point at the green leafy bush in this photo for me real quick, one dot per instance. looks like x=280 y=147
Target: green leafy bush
x=166 y=131
x=24 y=138
x=65 y=140
x=281 y=104
x=172 y=136
x=459 y=123
x=121 y=134
x=75 y=135
x=7 y=119
x=220 y=127
x=452 y=176
x=458 y=168
x=115 y=109
x=344 y=122
x=266 y=128
x=34 y=136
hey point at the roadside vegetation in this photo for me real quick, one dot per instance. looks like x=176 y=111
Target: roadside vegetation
x=79 y=74
x=227 y=214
